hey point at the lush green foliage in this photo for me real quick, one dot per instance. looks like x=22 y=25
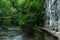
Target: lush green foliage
x=28 y=14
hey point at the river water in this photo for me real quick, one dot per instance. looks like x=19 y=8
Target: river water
x=11 y=34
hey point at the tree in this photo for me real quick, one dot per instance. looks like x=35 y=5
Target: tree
x=28 y=14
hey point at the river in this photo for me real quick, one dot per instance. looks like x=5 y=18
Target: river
x=11 y=34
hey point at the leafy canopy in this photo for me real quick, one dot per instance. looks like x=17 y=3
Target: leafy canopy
x=27 y=14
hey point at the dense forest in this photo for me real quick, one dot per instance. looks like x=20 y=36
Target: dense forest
x=29 y=15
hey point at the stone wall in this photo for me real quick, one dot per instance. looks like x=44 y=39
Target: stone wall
x=52 y=20
x=53 y=14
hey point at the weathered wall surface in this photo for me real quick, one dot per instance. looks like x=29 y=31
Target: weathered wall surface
x=53 y=14
x=52 y=19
